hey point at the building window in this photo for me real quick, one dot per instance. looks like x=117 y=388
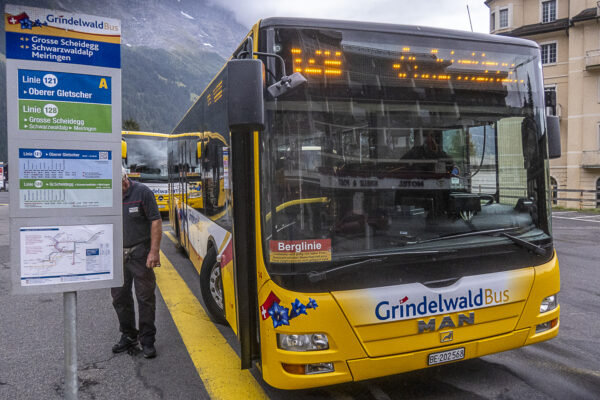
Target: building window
x=598 y=193
x=503 y=23
x=549 y=53
x=554 y=189
x=548 y=11
x=550 y=99
x=492 y=22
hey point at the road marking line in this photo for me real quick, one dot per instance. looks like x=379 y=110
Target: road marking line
x=577 y=219
x=2 y=204
x=170 y=236
x=217 y=364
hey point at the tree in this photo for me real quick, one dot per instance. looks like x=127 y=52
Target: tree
x=131 y=124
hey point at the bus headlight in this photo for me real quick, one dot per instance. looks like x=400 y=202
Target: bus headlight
x=549 y=303
x=306 y=342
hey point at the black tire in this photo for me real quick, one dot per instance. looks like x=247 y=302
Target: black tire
x=211 y=286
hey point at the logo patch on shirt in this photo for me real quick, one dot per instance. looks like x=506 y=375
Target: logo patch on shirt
x=133 y=209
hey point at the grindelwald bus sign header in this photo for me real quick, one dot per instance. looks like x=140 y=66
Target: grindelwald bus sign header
x=64 y=136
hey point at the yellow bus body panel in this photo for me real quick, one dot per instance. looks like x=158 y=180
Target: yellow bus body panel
x=229 y=297
x=348 y=352
x=163 y=205
x=325 y=318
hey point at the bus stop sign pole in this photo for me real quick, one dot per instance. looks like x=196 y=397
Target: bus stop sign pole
x=70 y=338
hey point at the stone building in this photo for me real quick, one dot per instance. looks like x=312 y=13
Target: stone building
x=568 y=32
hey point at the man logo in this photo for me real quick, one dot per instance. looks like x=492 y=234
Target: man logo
x=447 y=336
x=445 y=323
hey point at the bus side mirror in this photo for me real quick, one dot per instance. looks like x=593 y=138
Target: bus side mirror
x=553 y=130
x=124 y=150
x=245 y=94
x=287 y=84
x=198 y=150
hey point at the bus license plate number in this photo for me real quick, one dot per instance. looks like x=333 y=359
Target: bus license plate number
x=446 y=356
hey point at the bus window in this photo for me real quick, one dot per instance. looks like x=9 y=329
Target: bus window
x=146 y=162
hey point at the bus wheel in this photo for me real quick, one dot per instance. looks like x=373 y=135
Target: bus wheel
x=211 y=286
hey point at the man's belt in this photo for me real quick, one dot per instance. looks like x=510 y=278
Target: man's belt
x=128 y=251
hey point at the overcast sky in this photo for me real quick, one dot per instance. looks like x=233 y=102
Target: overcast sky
x=450 y=14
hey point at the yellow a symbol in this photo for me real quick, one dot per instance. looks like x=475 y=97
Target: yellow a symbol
x=103 y=84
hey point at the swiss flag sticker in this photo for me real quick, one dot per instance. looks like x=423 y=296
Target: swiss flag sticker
x=264 y=309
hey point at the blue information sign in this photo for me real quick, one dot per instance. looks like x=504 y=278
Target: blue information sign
x=26 y=46
x=62 y=86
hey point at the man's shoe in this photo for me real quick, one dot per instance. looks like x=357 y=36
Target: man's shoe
x=125 y=343
x=149 y=351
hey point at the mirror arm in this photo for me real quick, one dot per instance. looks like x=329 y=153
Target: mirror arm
x=279 y=58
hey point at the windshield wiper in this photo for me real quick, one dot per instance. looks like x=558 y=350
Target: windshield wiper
x=502 y=231
x=467 y=234
x=316 y=276
x=539 y=250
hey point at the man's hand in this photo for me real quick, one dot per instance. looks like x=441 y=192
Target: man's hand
x=153 y=259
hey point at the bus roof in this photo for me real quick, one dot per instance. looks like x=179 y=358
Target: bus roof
x=414 y=30
x=135 y=133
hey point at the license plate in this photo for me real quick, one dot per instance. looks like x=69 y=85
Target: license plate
x=446 y=356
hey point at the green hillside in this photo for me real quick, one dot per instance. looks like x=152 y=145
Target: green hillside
x=160 y=86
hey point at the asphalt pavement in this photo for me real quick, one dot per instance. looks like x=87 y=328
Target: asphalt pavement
x=31 y=344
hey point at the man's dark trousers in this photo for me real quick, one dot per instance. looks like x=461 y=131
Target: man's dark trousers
x=145 y=282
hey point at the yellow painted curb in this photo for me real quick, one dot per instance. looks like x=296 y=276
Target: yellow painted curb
x=217 y=364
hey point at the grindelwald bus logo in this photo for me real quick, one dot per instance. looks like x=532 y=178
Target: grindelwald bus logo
x=440 y=304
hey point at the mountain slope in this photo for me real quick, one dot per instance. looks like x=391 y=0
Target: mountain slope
x=170 y=51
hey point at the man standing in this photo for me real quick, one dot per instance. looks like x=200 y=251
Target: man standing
x=142 y=231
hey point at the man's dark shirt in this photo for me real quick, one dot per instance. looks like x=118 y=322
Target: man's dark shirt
x=139 y=210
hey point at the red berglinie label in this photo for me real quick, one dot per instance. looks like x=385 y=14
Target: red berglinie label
x=300 y=251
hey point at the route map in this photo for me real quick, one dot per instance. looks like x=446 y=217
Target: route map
x=66 y=254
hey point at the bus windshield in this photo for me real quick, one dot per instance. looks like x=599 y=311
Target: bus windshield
x=146 y=157
x=404 y=157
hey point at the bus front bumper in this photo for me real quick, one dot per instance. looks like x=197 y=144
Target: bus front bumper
x=368 y=368
x=374 y=367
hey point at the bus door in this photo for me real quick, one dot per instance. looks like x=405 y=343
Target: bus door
x=183 y=171
x=213 y=177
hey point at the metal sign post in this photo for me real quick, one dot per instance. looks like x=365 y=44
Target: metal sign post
x=70 y=338
x=63 y=79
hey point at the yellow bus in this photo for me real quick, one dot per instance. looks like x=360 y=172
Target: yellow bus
x=375 y=198
x=144 y=157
